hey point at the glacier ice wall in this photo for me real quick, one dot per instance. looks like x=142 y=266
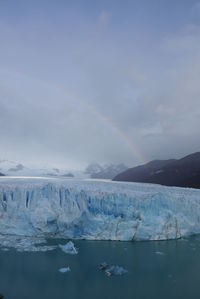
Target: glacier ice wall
x=81 y=209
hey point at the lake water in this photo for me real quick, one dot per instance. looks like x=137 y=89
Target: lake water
x=165 y=269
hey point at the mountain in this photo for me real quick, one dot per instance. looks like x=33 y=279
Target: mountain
x=68 y=175
x=97 y=171
x=93 y=168
x=11 y=168
x=183 y=172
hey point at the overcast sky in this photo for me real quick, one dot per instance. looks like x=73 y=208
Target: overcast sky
x=106 y=81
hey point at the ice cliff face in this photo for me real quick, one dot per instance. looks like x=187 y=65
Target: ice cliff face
x=97 y=210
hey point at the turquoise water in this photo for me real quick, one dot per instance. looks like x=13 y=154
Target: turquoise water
x=165 y=269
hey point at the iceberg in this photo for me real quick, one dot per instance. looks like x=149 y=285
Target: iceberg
x=112 y=270
x=96 y=210
x=159 y=253
x=69 y=248
x=115 y=270
x=64 y=270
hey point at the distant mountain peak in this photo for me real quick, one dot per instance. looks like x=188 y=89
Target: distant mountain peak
x=18 y=167
x=106 y=171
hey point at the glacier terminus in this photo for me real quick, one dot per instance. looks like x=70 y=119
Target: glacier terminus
x=97 y=210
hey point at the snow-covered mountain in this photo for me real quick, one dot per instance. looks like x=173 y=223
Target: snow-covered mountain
x=11 y=168
x=95 y=170
x=107 y=171
x=97 y=210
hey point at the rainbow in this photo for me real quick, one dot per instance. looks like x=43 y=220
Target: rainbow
x=108 y=121
x=123 y=136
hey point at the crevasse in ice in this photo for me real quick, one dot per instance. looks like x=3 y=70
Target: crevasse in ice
x=81 y=209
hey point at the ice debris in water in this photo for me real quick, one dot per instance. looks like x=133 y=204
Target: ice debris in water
x=4 y=249
x=112 y=270
x=64 y=270
x=21 y=243
x=68 y=248
x=159 y=253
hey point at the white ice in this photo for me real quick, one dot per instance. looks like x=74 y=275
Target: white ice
x=97 y=210
x=64 y=270
x=23 y=243
x=69 y=248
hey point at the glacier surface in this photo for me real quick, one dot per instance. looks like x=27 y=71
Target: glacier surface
x=96 y=210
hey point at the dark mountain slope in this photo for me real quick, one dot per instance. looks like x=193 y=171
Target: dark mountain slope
x=184 y=172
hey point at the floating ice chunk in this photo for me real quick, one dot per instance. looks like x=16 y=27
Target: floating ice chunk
x=64 y=270
x=68 y=248
x=159 y=253
x=112 y=270
x=103 y=266
x=21 y=244
x=115 y=270
x=41 y=248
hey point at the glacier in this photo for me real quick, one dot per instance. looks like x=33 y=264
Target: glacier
x=96 y=210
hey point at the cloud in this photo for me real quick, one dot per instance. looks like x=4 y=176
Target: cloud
x=104 y=18
x=195 y=10
x=70 y=94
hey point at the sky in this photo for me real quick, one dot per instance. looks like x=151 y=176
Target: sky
x=109 y=81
